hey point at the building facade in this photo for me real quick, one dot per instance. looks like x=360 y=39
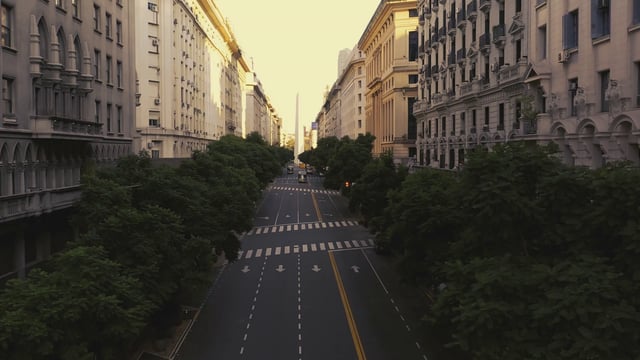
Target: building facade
x=529 y=70
x=390 y=45
x=192 y=77
x=352 y=81
x=68 y=100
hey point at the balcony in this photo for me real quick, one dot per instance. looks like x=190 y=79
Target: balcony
x=420 y=106
x=498 y=35
x=465 y=88
x=451 y=58
x=452 y=25
x=435 y=70
x=421 y=20
x=461 y=19
x=512 y=72
x=485 y=5
x=61 y=128
x=434 y=40
x=434 y=5
x=472 y=10
x=485 y=128
x=36 y=203
x=485 y=42
x=427 y=13
x=442 y=33
x=461 y=55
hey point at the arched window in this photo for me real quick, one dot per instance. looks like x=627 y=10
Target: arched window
x=44 y=40
x=63 y=48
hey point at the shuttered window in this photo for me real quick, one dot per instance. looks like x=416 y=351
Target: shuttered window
x=570 y=30
x=600 y=18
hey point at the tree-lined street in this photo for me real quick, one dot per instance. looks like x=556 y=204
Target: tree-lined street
x=301 y=293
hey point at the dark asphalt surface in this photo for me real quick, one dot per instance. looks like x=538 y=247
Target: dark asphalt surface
x=281 y=300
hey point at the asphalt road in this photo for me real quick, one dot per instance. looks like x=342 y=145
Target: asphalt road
x=305 y=286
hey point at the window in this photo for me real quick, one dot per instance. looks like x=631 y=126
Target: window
x=636 y=12
x=600 y=18
x=119 y=118
x=570 y=30
x=96 y=18
x=75 y=8
x=7 y=95
x=542 y=42
x=119 y=74
x=518 y=6
x=118 y=31
x=486 y=116
x=359 y=97
x=413 y=12
x=413 y=79
x=413 y=45
x=473 y=118
x=97 y=112
x=501 y=116
x=109 y=64
x=107 y=25
x=108 y=117
x=154 y=122
x=59 y=4
x=573 y=88
x=359 y=110
x=96 y=64
x=7 y=24
x=604 y=85
x=359 y=83
x=359 y=124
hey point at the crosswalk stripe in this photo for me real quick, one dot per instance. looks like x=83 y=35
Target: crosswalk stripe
x=258 y=231
x=330 y=244
x=371 y=242
x=240 y=254
x=313 y=247
x=287 y=249
x=249 y=252
x=288 y=227
x=258 y=252
x=355 y=243
x=305 y=248
x=296 y=249
x=304 y=226
x=278 y=250
x=268 y=252
x=330 y=224
x=317 y=225
x=295 y=227
x=322 y=246
x=324 y=225
x=281 y=228
x=337 y=223
x=338 y=244
x=344 y=223
x=364 y=243
x=273 y=229
x=347 y=244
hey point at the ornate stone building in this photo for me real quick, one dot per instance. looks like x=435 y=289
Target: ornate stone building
x=68 y=99
x=390 y=43
x=529 y=70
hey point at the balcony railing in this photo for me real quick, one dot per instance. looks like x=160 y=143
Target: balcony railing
x=442 y=33
x=461 y=54
x=485 y=40
x=452 y=25
x=420 y=106
x=451 y=58
x=35 y=203
x=485 y=5
x=513 y=72
x=461 y=18
x=498 y=33
x=472 y=10
x=52 y=127
x=434 y=69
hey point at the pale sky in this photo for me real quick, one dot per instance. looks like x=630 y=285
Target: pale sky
x=295 y=44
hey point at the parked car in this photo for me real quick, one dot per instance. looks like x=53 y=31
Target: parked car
x=289 y=169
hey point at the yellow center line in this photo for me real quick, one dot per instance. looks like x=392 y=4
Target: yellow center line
x=315 y=205
x=347 y=310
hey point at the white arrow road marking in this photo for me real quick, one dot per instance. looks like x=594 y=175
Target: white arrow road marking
x=280 y=268
x=356 y=268
x=245 y=269
x=315 y=268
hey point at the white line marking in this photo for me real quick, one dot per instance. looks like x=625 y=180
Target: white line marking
x=324 y=225
x=281 y=229
x=273 y=229
x=241 y=350
x=322 y=247
x=258 y=252
x=258 y=231
x=268 y=252
x=305 y=248
x=288 y=227
x=330 y=244
x=344 y=223
x=313 y=247
x=337 y=223
x=355 y=243
x=339 y=244
x=376 y=274
x=295 y=227
x=364 y=243
x=240 y=254
x=249 y=253
x=347 y=244
x=296 y=249
x=278 y=250
x=330 y=224
x=287 y=249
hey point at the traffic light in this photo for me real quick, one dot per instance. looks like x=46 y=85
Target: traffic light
x=347 y=184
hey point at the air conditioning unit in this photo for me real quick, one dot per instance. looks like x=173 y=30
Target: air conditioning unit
x=154 y=42
x=563 y=56
x=156 y=101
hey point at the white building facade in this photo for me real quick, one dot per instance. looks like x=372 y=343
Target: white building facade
x=353 y=84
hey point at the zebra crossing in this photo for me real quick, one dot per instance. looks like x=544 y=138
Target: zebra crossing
x=305 y=248
x=317 y=191
x=269 y=229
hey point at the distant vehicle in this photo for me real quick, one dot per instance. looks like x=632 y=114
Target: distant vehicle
x=302 y=176
x=289 y=169
x=310 y=169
